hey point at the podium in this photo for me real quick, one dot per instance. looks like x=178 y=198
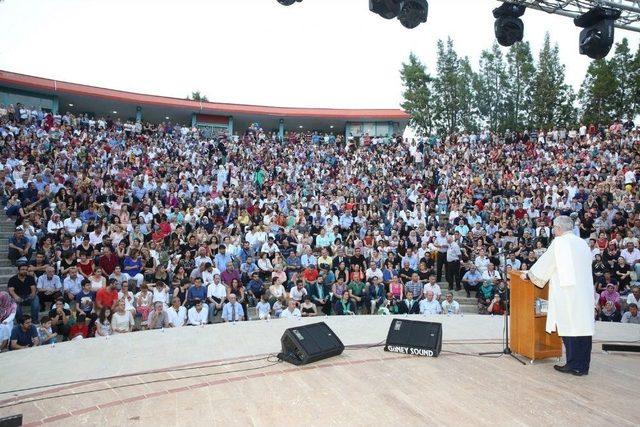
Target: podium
x=527 y=334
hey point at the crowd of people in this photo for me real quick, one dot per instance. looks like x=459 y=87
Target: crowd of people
x=124 y=226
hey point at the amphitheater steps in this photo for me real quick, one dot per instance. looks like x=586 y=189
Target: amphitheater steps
x=7 y=227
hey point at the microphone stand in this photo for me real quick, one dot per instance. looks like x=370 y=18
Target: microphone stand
x=505 y=339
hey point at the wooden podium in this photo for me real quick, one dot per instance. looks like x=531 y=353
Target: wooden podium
x=527 y=334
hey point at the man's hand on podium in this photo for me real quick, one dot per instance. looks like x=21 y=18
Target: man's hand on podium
x=524 y=275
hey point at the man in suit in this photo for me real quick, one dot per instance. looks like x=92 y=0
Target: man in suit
x=409 y=305
x=320 y=296
x=375 y=294
x=344 y=305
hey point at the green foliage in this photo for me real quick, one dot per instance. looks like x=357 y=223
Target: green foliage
x=490 y=88
x=417 y=94
x=520 y=73
x=196 y=96
x=598 y=92
x=515 y=92
x=454 y=99
x=552 y=101
x=611 y=87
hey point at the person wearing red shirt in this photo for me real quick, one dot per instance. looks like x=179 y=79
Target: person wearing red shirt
x=520 y=212
x=80 y=329
x=108 y=261
x=496 y=306
x=107 y=296
x=310 y=274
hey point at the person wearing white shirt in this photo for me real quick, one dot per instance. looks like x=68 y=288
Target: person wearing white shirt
x=432 y=286
x=72 y=224
x=298 y=292
x=263 y=308
x=453 y=264
x=270 y=247
x=449 y=305
x=373 y=271
x=634 y=295
x=125 y=294
x=491 y=274
x=54 y=224
x=216 y=295
x=291 y=312
x=177 y=314
x=481 y=262
x=202 y=258
x=631 y=255
x=430 y=305
x=198 y=314
x=209 y=273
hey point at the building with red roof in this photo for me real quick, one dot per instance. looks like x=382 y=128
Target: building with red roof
x=60 y=97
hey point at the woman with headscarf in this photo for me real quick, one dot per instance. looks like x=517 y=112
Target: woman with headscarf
x=610 y=313
x=7 y=315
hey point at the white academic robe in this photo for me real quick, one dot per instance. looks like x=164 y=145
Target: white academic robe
x=566 y=265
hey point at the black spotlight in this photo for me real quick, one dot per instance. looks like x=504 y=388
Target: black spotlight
x=597 y=37
x=288 y=2
x=509 y=27
x=388 y=9
x=413 y=13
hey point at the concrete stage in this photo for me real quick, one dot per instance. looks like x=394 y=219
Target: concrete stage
x=221 y=375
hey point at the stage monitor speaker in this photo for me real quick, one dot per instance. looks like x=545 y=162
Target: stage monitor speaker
x=11 y=421
x=309 y=343
x=414 y=337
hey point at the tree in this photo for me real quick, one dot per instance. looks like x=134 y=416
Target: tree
x=466 y=96
x=552 y=101
x=621 y=67
x=446 y=102
x=196 y=96
x=491 y=85
x=635 y=82
x=598 y=92
x=520 y=74
x=417 y=94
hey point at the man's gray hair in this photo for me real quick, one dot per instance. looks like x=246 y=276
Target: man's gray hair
x=564 y=223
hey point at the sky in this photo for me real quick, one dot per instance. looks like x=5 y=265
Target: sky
x=317 y=53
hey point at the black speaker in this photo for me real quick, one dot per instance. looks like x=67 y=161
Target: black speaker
x=11 y=421
x=414 y=337
x=309 y=343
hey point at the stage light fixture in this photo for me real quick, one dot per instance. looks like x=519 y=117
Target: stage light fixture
x=388 y=9
x=288 y=2
x=413 y=13
x=596 y=38
x=509 y=28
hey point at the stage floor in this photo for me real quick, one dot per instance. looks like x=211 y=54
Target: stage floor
x=222 y=375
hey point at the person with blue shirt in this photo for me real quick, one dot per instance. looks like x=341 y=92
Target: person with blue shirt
x=222 y=258
x=195 y=292
x=24 y=335
x=471 y=279
x=232 y=311
x=255 y=289
x=247 y=268
x=462 y=228
x=89 y=215
x=133 y=266
x=293 y=265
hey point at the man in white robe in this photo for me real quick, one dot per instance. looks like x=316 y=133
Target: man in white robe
x=566 y=265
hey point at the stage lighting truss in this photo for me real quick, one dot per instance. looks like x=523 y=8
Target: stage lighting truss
x=629 y=19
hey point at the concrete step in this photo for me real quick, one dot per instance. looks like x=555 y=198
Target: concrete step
x=7 y=270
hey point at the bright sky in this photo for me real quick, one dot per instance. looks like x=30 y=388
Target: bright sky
x=318 y=53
